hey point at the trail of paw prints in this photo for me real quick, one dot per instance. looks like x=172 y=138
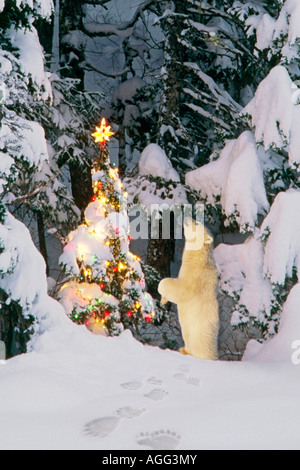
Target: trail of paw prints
x=106 y=425
x=159 y=440
x=156 y=394
x=188 y=380
x=155 y=381
x=132 y=385
x=184 y=377
x=101 y=427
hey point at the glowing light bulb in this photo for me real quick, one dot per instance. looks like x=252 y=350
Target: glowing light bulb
x=121 y=267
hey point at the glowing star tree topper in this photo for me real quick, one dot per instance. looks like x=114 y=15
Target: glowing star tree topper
x=103 y=133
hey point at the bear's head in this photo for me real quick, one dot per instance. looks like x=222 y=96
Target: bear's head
x=196 y=235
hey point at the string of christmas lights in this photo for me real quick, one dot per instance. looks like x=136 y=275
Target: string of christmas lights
x=110 y=285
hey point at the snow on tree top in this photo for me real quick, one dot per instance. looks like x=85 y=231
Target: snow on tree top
x=279 y=349
x=270 y=32
x=254 y=271
x=154 y=162
x=28 y=141
x=282 y=250
x=288 y=22
x=277 y=123
x=237 y=178
x=28 y=45
x=264 y=25
x=21 y=256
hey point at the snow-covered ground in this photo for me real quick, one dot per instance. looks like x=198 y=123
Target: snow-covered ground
x=80 y=391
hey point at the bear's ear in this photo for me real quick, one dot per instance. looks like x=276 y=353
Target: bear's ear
x=208 y=239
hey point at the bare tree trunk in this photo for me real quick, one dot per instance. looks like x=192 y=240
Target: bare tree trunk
x=81 y=182
x=71 y=19
x=42 y=239
x=122 y=151
x=160 y=252
x=160 y=255
x=14 y=327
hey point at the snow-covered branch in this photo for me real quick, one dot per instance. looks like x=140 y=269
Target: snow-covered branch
x=20 y=200
x=122 y=30
x=220 y=95
x=89 y=66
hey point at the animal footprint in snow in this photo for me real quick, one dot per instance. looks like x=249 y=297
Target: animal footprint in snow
x=159 y=440
x=130 y=413
x=188 y=380
x=157 y=394
x=102 y=427
x=154 y=381
x=132 y=385
x=184 y=368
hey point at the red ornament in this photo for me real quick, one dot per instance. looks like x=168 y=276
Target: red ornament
x=129 y=314
x=102 y=285
x=87 y=322
x=115 y=270
x=130 y=238
x=106 y=313
x=148 y=319
x=94 y=198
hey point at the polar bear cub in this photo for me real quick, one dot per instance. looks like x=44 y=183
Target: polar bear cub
x=195 y=293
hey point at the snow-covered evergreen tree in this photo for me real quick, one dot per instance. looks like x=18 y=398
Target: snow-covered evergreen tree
x=32 y=184
x=29 y=185
x=205 y=49
x=44 y=125
x=106 y=290
x=253 y=183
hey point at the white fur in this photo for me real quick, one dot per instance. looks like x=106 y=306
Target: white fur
x=195 y=293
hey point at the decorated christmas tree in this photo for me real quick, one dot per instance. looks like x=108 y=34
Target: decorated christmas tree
x=106 y=286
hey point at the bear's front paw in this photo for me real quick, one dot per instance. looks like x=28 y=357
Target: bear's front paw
x=162 y=288
x=162 y=291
